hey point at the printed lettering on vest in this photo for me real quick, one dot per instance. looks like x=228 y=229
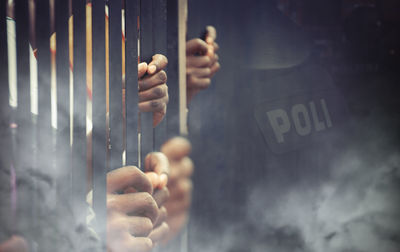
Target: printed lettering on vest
x=294 y=122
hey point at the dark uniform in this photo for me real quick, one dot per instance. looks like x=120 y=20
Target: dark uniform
x=267 y=136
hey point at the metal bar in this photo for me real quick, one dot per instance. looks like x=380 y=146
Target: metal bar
x=176 y=27
x=177 y=109
x=53 y=93
x=183 y=127
x=44 y=117
x=160 y=46
x=6 y=155
x=79 y=174
x=34 y=109
x=107 y=80
x=146 y=45
x=89 y=89
x=116 y=37
x=131 y=14
x=173 y=68
x=5 y=161
x=100 y=103
x=123 y=72
x=24 y=136
x=182 y=19
x=64 y=183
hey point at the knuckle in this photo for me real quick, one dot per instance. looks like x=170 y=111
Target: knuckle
x=163 y=58
x=147 y=225
x=162 y=76
x=112 y=203
x=166 y=227
x=162 y=112
x=197 y=41
x=205 y=84
x=190 y=80
x=143 y=84
x=166 y=99
x=147 y=245
x=148 y=200
x=185 y=185
x=167 y=193
x=156 y=105
x=117 y=227
x=158 y=91
x=163 y=212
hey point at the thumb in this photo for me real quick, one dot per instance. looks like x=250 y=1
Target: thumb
x=142 y=68
x=176 y=148
x=195 y=46
x=157 y=162
x=211 y=33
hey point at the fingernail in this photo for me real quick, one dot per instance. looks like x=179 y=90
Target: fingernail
x=163 y=180
x=152 y=69
x=142 y=64
x=154 y=178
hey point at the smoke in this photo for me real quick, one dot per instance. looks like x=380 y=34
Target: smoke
x=357 y=209
x=46 y=216
x=354 y=207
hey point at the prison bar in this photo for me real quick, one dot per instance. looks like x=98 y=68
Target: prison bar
x=76 y=75
x=116 y=83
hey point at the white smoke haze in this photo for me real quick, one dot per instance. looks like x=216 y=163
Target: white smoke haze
x=46 y=217
x=357 y=208
x=354 y=208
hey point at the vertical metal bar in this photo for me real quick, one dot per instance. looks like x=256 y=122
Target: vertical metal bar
x=173 y=68
x=89 y=89
x=71 y=77
x=107 y=73
x=12 y=105
x=182 y=20
x=34 y=108
x=53 y=89
x=23 y=118
x=33 y=71
x=146 y=45
x=79 y=174
x=5 y=160
x=131 y=14
x=177 y=109
x=183 y=128
x=160 y=46
x=100 y=102
x=44 y=117
x=116 y=37
x=123 y=72
x=62 y=57
x=176 y=27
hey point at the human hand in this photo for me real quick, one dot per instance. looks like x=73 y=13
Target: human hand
x=132 y=210
x=201 y=62
x=14 y=244
x=157 y=170
x=153 y=90
x=180 y=185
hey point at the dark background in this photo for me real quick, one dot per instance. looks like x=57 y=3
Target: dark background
x=334 y=193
